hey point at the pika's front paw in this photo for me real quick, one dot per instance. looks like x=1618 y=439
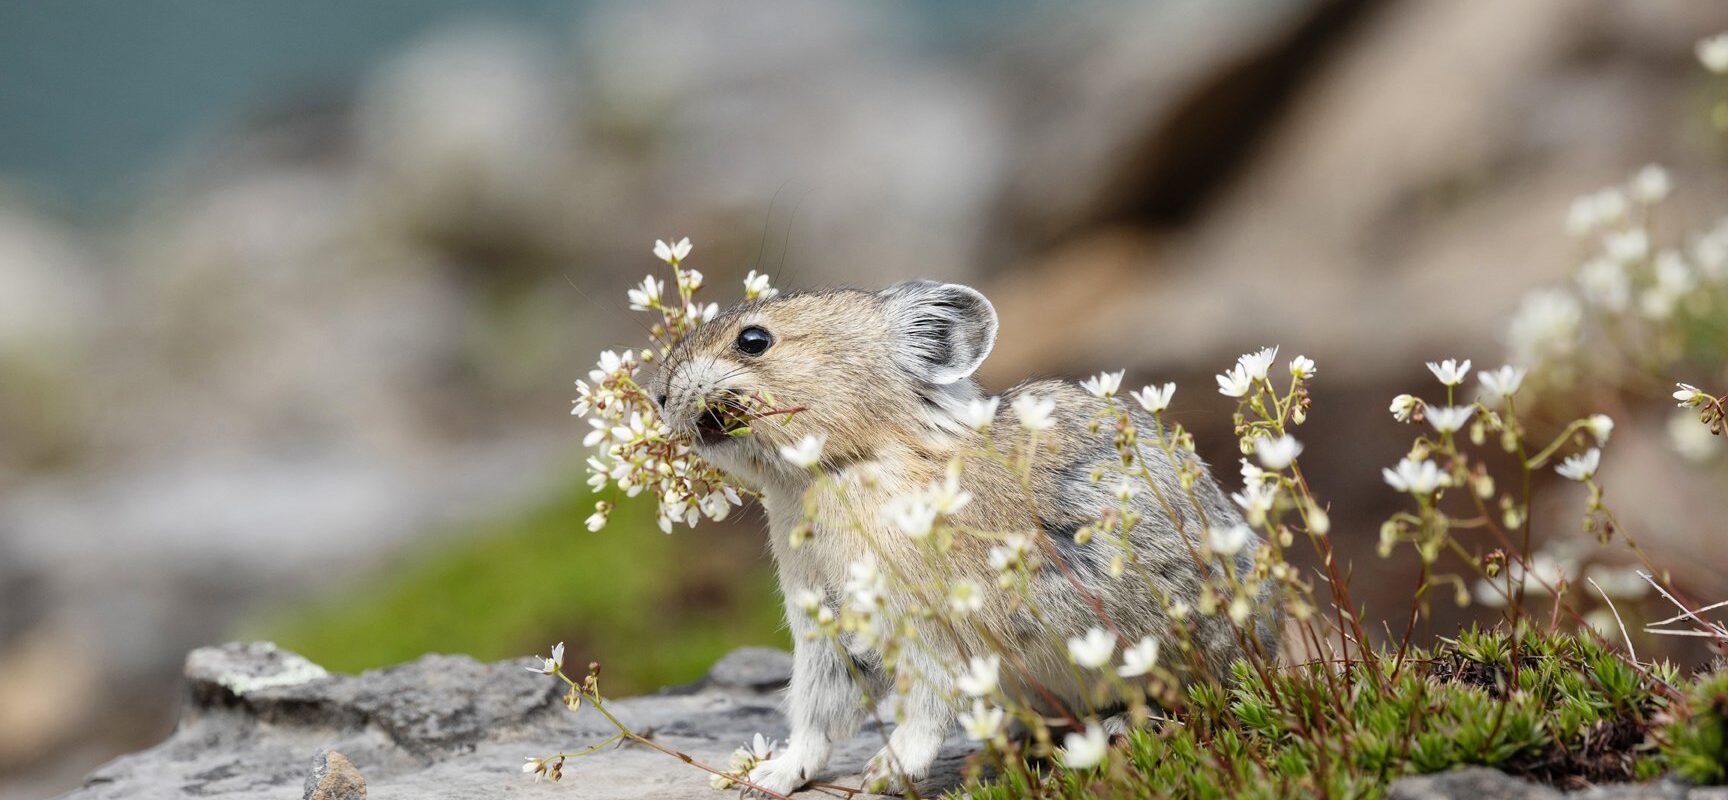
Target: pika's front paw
x=784 y=775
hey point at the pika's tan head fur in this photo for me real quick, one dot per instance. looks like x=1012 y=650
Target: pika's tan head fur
x=864 y=368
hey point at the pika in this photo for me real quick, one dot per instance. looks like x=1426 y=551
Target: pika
x=885 y=377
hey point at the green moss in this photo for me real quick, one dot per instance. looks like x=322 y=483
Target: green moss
x=1553 y=707
x=655 y=609
x=1697 y=743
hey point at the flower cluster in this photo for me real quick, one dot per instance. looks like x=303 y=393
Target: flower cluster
x=634 y=450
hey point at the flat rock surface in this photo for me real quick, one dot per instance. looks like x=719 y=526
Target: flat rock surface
x=257 y=721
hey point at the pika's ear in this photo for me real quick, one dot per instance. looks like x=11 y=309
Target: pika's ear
x=942 y=331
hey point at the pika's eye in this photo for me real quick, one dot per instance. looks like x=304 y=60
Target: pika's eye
x=754 y=341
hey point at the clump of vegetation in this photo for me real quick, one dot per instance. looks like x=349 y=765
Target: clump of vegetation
x=1551 y=706
x=1696 y=745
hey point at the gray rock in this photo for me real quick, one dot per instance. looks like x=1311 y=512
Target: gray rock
x=449 y=727
x=755 y=668
x=333 y=777
x=1476 y=783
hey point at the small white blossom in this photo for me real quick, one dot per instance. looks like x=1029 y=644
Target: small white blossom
x=1035 y=413
x=756 y=286
x=806 y=452
x=1259 y=363
x=1605 y=284
x=1126 y=489
x=1600 y=426
x=1234 y=382
x=1012 y=552
x=1591 y=212
x=978 y=414
x=966 y=597
x=1448 y=419
x=672 y=253
x=1403 y=406
x=648 y=296
x=1501 y=384
x=807 y=599
x=1092 y=650
x=1580 y=467
x=1276 y=454
x=1228 y=541
x=1713 y=53
x=1690 y=396
x=1139 y=658
x=1104 y=384
x=597 y=520
x=1651 y=184
x=1450 y=372
x=1303 y=367
x=552 y=664
x=983 y=723
x=1627 y=247
x=982 y=676
x=532 y=765
x=1256 y=499
x=1154 y=398
x=912 y=515
x=1545 y=327
x=1085 y=750
x=1416 y=477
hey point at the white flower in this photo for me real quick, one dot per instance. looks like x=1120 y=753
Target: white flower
x=1234 y=382
x=1627 y=247
x=983 y=723
x=1104 y=384
x=1092 y=650
x=1139 y=659
x=1416 y=477
x=1580 y=467
x=864 y=585
x=1448 y=419
x=1545 y=327
x=1403 y=406
x=1126 y=489
x=1502 y=383
x=1600 y=426
x=756 y=286
x=947 y=497
x=597 y=520
x=1276 y=454
x=1035 y=412
x=1087 y=750
x=980 y=413
x=646 y=297
x=1228 y=541
x=807 y=599
x=982 y=676
x=1303 y=367
x=1011 y=552
x=552 y=664
x=1154 y=398
x=965 y=597
x=1450 y=372
x=1688 y=395
x=532 y=765
x=1259 y=363
x=911 y=514
x=806 y=452
x=1256 y=499
x=1593 y=211
x=672 y=253
x=1651 y=184
x=1713 y=53
x=1606 y=284
x=1673 y=274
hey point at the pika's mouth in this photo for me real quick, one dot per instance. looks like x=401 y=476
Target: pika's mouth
x=718 y=423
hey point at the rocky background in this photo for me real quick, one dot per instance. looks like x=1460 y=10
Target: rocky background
x=324 y=349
